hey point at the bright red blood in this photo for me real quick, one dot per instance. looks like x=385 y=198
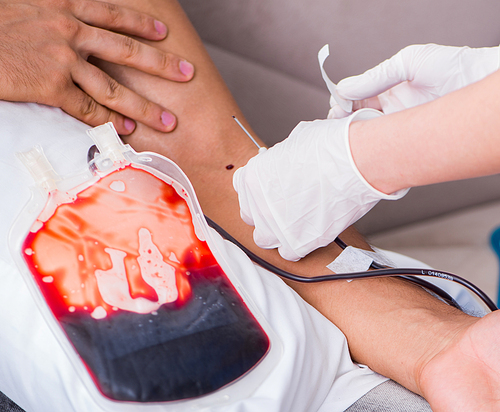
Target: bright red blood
x=65 y=252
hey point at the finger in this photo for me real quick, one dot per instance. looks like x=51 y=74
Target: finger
x=370 y=103
x=123 y=50
x=117 y=18
x=377 y=80
x=111 y=94
x=336 y=112
x=288 y=253
x=81 y=106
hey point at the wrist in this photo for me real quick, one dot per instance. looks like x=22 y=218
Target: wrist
x=441 y=351
x=367 y=158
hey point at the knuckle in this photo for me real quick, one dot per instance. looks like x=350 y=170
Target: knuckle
x=112 y=13
x=144 y=21
x=65 y=56
x=55 y=4
x=166 y=61
x=63 y=4
x=88 y=109
x=66 y=25
x=114 y=91
x=145 y=109
x=130 y=47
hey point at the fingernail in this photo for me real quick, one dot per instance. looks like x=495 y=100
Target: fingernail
x=186 y=68
x=167 y=119
x=161 y=29
x=129 y=125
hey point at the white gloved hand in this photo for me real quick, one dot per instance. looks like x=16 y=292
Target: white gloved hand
x=303 y=192
x=415 y=75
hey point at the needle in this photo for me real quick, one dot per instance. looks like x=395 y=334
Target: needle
x=261 y=148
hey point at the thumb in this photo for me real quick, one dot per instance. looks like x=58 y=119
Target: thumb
x=336 y=112
x=375 y=81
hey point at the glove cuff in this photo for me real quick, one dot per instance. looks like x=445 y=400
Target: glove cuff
x=367 y=114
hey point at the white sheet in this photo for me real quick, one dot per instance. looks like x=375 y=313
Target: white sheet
x=314 y=374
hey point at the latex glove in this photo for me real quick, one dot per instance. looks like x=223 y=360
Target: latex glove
x=44 y=46
x=303 y=192
x=415 y=75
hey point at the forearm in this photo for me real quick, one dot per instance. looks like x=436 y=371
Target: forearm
x=454 y=137
x=391 y=325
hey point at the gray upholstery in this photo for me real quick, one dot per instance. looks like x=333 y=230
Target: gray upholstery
x=390 y=397
x=7 y=405
x=266 y=51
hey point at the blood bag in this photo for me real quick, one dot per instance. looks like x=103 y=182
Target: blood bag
x=123 y=265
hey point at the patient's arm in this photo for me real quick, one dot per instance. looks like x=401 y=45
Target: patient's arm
x=392 y=326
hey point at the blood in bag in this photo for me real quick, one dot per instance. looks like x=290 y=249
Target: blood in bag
x=141 y=298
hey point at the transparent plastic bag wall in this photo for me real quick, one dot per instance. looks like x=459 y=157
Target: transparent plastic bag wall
x=124 y=264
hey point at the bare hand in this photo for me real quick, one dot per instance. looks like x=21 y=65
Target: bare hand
x=465 y=375
x=44 y=47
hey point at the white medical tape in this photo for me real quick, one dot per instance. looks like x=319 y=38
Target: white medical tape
x=346 y=105
x=353 y=259
x=350 y=260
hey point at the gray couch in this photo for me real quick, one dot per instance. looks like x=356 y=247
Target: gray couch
x=266 y=51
